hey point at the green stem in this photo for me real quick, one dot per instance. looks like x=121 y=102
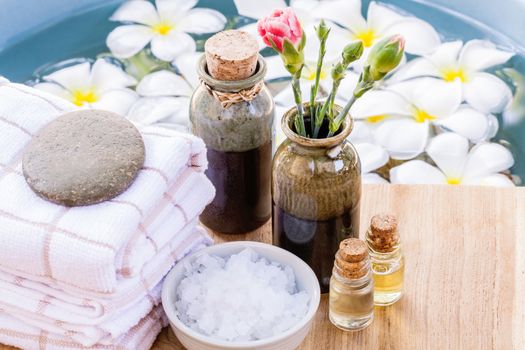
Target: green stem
x=315 y=88
x=341 y=116
x=299 y=118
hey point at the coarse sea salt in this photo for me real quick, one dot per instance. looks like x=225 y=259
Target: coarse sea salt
x=243 y=297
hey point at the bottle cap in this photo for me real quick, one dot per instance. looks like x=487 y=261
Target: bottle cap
x=352 y=259
x=383 y=235
x=231 y=55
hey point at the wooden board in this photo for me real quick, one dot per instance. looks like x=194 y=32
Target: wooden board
x=465 y=272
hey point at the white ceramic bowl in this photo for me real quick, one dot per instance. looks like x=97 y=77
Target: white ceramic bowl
x=289 y=340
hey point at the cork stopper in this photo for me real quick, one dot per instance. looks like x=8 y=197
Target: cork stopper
x=231 y=55
x=352 y=259
x=382 y=235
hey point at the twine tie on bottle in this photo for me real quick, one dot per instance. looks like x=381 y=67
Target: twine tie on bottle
x=227 y=99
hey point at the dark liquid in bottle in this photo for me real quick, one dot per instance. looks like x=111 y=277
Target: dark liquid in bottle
x=316 y=242
x=242 y=181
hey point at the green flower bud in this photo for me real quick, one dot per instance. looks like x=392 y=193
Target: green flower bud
x=322 y=30
x=338 y=71
x=352 y=52
x=385 y=56
x=293 y=58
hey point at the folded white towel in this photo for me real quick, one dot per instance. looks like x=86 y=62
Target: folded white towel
x=141 y=337
x=84 y=248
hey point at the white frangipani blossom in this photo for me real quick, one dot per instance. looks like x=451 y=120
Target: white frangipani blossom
x=101 y=86
x=372 y=158
x=164 y=99
x=453 y=61
x=165 y=26
x=456 y=165
x=399 y=118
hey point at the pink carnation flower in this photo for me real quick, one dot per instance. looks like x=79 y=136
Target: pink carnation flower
x=281 y=24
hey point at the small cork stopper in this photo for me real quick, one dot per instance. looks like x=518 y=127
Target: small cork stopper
x=352 y=258
x=231 y=55
x=383 y=235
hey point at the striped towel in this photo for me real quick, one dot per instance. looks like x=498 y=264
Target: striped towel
x=90 y=249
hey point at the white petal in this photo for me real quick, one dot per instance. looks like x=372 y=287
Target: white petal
x=187 y=65
x=54 y=89
x=402 y=138
x=278 y=132
x=372 y=156
x=285 y=98
x=150 y=110
x=421 y=38
x=416 y=172
x=163 y=83
x=498 y=180
x=336 y=41
x=118 y=101
x=487 y=159
x=275 y=68
x=201 y=20
x=449 y=152
x=252 y=30
x=446 y=55
x=493 y=127
x=361 y=133
x=136 y=11
x=347 y=86
x=172 y=10
x=106 y=76
x=380 y=102
x=419 y=67
x=380 y=17
x=126 y=41
x=467 y=122
x=344 y=12
x=257 y=9
x=487 y=93
x=481 y=54
x=372 y=178
x=72 y=78
x=435 y=96
x=167 y=47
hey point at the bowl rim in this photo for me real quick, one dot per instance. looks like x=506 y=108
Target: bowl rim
x=313 y=305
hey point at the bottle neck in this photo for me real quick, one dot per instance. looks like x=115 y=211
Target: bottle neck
x=358 y=282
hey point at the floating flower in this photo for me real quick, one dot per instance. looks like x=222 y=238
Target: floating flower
x=400 y=117
x=164 y=99
x=165 y=26
x=456 y=165
x=101 y=85
x=454 y=61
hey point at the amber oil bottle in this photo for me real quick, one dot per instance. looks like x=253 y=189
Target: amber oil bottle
x=351 y=300
x=388 y=263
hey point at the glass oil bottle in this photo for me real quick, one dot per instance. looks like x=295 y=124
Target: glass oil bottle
x=388 y=263
x=351 y=300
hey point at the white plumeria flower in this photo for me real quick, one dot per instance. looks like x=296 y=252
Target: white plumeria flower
x=399 y=117
x=165 y=26
x=456 y=165
x=454 y=61
x=421 y=37
x=372 y=158
x=164 y=101
x=101 y=86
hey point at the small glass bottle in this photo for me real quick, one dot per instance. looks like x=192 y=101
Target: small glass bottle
x=351 y=300
x=388 y=263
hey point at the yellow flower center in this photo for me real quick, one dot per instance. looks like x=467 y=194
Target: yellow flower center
x=420 y=116
x=376 y=118
x=162 y=28
x=311 y=75
x=453 y=181
x=453 y=74
x=81 y=97
x=367 y=37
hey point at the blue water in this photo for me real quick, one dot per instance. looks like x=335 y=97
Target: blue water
x=83 y=34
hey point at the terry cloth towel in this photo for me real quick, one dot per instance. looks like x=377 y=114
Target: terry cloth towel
x=88 y=321
x=83 y=248
x=140 y=337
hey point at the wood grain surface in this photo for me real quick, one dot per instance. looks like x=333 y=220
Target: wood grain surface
x=465 y=272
